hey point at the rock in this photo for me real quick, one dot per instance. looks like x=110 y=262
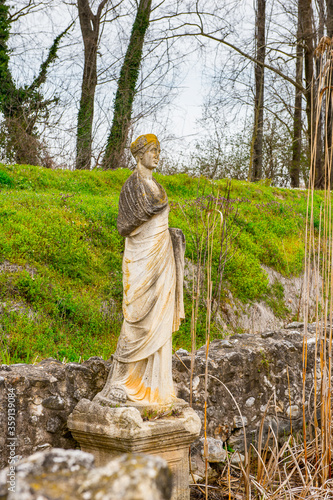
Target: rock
x=198 y=466
x=199 y=471
x=68 y=474
x=215 y=451
x=54 y=403
x=259 y=317
x=266 y=335
x=294 y=324
x=236 y=440
x=293 y=411
x=182 y=351
x=137 y=477
x=249 y=402
x=252 y=373
x=239 y=422
x=54 y=424
x=237 y=458
x=106 y=431
x=195 y=478
x=226 y=343
x=45 y=394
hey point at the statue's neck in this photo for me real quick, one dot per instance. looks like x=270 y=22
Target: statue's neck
x=145 y=172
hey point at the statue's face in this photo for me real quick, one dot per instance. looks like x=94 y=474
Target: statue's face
x=150 y=157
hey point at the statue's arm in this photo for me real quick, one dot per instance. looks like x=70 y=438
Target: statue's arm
x=178 y=242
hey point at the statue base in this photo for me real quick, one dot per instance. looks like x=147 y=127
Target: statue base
x=107 y=431
x=146 y=410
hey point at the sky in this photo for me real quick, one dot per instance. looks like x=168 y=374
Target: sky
x=177 y=123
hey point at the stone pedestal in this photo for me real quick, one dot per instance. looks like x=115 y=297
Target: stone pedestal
x=107 y=432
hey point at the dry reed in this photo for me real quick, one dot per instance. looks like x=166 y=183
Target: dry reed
x=300 y=468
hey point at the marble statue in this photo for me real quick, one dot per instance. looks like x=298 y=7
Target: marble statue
x=153 y=266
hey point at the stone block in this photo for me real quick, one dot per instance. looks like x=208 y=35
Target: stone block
x=70 y=474
x=107 y=432
x=46 y=394
x=214 y=451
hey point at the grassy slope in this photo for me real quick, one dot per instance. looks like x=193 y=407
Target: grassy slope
x=62 y=225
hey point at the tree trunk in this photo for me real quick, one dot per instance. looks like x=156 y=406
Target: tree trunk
x=329 y=18
x=318 y=113
x=114 y=152
x=22 y=106
x=90 y=24
x=297 y=134
x=310 y=93
x=329 y=110
x=258 y=129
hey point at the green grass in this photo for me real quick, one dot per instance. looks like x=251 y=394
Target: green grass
x=63 y=298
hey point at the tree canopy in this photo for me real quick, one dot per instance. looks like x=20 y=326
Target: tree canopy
x=79 y=80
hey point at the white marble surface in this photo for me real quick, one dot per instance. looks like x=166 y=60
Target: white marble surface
x=152 y=282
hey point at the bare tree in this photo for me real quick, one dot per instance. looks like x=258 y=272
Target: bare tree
x=309 y=39
x=273 y=61
x=329 y=18
x=259 y=72
x=306 y=41
x=297 y=126
x=123 y=103
x=22 y=106
x=90 y=27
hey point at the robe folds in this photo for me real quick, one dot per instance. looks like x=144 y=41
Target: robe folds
x=153 y=265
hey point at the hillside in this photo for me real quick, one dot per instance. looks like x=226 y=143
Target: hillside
x=60 y=255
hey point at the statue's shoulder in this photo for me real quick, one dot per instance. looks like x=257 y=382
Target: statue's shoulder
x=130 y=183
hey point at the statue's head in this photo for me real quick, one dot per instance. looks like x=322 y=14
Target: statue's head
x=143 y=144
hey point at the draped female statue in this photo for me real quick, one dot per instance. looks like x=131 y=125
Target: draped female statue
x=153 y=265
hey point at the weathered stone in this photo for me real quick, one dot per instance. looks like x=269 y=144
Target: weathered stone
x=66 y=474
x=226 y=343
x=236 y=440
x=266 y=335
x=54 y=424
x=292 y=411
x=249 y=402
x=239 y=422
x=294 y=324
x=54 y=403
x=8 y=267
x=198 y=470
x=259 y=317
x=213 y=450
x=46 y=394
x=137 y=477
x=237 y=458
x=255 y=371
x=107 y=432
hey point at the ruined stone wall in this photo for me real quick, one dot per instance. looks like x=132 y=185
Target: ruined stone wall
x=45 y=394
x=254 y=369
x=68 y=474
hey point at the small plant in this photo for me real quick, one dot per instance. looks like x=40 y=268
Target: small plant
x=264 y=361
x=150 y=414
x=274 y=298
x=5 y=179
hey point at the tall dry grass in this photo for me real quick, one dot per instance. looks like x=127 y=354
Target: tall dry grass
x=300 y=468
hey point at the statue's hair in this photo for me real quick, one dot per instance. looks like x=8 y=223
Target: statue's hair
x=142 y=143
